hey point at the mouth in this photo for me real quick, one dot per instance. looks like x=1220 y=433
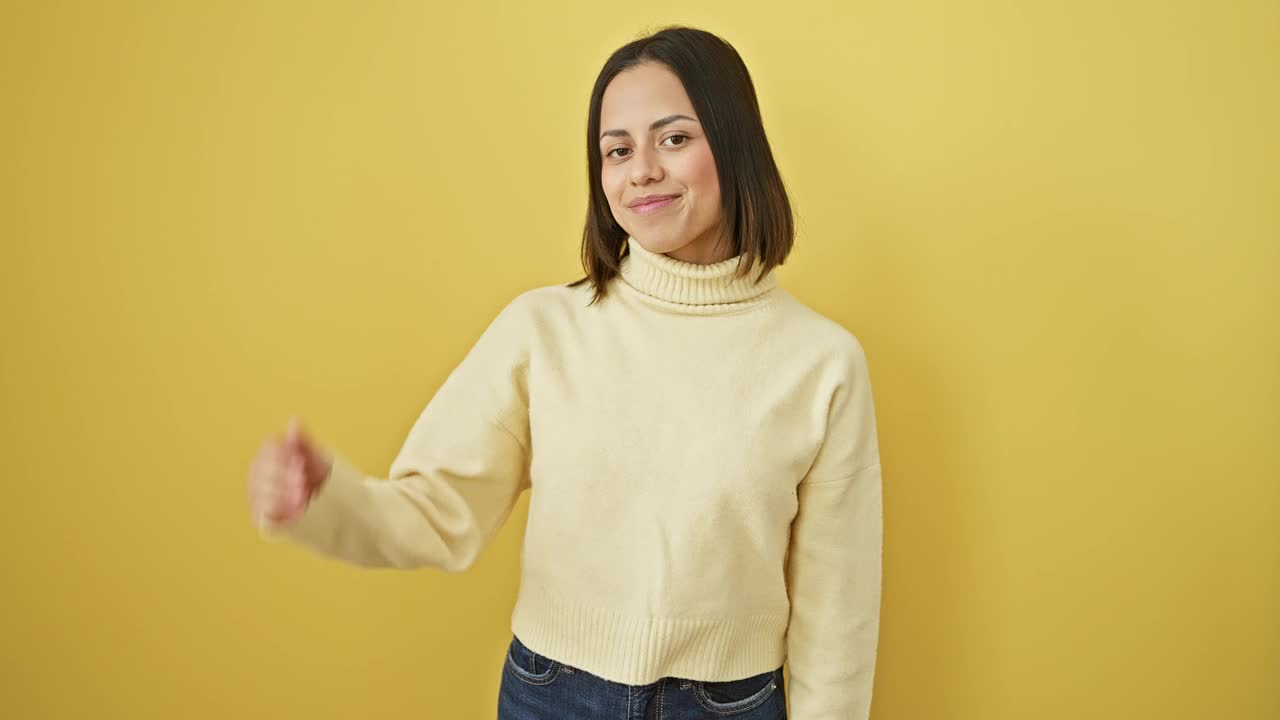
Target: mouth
x=654 y=206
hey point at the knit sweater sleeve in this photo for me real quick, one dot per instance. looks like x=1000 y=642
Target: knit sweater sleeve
x=455 y=479
x=834 y=560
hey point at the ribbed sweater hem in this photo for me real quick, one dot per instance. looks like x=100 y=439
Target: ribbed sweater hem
x=641 y=649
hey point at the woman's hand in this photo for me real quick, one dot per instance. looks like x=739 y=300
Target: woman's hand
x=284 y=476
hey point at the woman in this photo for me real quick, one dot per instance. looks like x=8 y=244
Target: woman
x=700 y=446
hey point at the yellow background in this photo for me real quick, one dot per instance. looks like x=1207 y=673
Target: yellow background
x=1054 y=226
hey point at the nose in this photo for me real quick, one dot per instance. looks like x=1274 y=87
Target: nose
x=646 y=166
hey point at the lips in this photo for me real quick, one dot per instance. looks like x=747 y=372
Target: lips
x=656 y=206
x=650 y=199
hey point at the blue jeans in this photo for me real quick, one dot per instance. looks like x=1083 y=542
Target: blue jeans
x=536 y=687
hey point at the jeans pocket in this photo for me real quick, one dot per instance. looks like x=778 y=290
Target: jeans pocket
x=731 y=696
x=529 y=666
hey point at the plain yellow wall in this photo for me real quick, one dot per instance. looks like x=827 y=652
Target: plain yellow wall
x=1054 y=226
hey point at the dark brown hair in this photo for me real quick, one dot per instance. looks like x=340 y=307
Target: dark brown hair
x=756 y=211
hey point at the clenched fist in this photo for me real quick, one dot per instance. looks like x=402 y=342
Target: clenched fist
x=284 y=476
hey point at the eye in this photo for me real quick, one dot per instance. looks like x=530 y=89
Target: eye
x=686 y=139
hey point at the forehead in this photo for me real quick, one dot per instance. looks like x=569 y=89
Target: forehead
x=642 y=93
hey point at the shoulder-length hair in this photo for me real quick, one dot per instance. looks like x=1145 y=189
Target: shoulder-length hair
x=756 y=211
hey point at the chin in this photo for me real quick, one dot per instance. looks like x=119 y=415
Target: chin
x=659 y=243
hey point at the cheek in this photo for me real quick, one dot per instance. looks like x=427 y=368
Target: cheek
x=609 y=183
x=700 y=173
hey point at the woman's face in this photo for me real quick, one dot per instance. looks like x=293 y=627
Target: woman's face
x=653 y=144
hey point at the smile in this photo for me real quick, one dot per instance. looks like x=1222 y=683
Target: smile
x=653 y=207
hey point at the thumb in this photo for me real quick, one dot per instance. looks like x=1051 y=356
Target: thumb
x=293 y=435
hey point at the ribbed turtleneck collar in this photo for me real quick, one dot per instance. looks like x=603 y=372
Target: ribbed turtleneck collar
x=691 y=287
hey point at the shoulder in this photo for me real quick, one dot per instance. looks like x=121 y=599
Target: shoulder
x=830 y=341
x=543 y=297
x=536 y=313
x=530 y=319
x=540 y=305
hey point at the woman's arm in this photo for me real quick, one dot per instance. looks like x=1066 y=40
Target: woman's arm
x=455 y=479
x=834 y=559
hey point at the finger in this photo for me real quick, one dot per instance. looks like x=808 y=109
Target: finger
x=320 y=471
x=297 y=483
x=270 y=514
x=279 y=513
x=274 y=503
x=276 y=491
x=293 y=435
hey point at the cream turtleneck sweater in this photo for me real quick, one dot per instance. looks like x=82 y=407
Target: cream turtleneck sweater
x=704 y=476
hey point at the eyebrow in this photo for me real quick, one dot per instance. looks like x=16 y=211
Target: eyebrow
x=652 y=126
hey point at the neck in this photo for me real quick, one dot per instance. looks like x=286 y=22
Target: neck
x=695 y=288
x=707 y=249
